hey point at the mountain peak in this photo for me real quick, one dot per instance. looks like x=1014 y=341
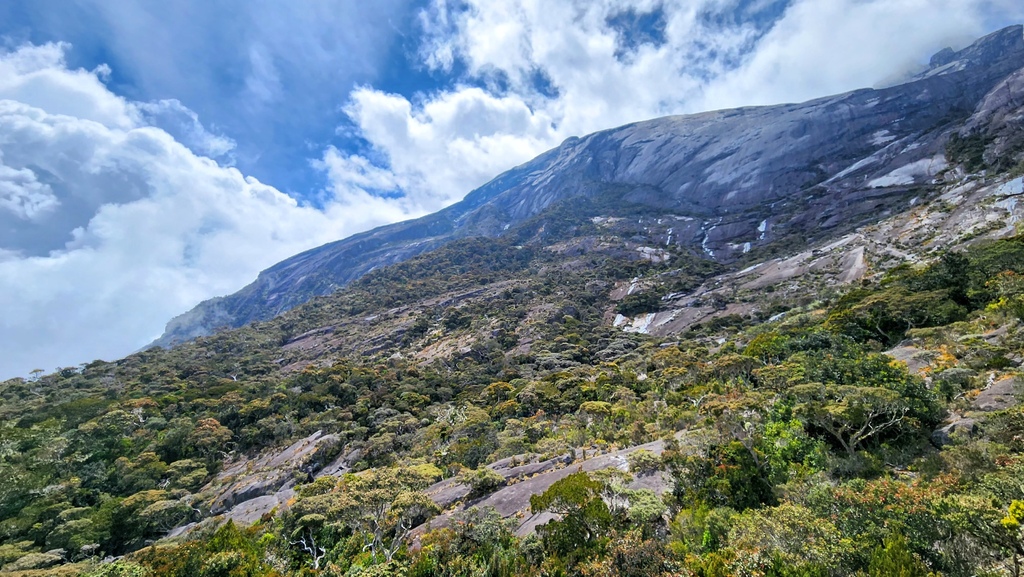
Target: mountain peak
x=1000 y=46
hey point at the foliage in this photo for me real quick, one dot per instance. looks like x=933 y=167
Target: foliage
x=119 y=568
x=228 y=552
x=793 y=447
x=483 y=481
x=584 y=517
x=967 y=150
x=789 y=534
x=894 y=559
x=643 y=462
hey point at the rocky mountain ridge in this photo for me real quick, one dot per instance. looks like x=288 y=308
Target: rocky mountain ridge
x=734 y=181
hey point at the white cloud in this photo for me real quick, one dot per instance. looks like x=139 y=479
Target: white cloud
x=822 y=48
x=23 y=195
x=158 y=227
x=183 y=123
x=37 y=76
x=441 y=149
x=539 y=71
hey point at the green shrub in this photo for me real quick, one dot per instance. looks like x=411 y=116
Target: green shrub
x=483 y=481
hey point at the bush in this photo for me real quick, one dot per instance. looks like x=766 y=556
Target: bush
x=34 y=561
x=119 y=568
x=483 y=481
x=643 y=462
x=639 y=303
x=894 y=559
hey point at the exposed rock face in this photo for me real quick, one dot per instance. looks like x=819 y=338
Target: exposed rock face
x=1000 y=395
x=962 y=429
x=976 y=211
x=248 y=489
x=999 y=119
x=514 y=498
x=736 y=179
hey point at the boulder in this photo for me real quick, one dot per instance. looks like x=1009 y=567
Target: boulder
x=249 y=479
x=514 y=499
x=1000 y=395
x=34 y=561
x=957 y=430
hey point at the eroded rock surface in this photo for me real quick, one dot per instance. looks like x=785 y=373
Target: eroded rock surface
x=514 y=499
x=247 y=489
x=960 y=429
x=1002 y=394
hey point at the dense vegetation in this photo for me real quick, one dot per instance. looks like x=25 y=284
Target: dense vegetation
x=794 y=447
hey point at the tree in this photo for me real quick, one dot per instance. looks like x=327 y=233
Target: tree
x=1012 y=523
x=631 y=555
x=788 y=533
x=208 y=439
x=129 y=526
x=887 y=315
x=227 y=552
x=483 y=481
x=645 y=509
x=643 y=462
x=894 y=559
x=850 y=414
x=720 y=474
x=382 y=505
x=162 y=516
x=306 y=534
x=584 y=517
x=119 y=568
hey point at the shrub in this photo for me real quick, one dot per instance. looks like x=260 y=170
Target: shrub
x=483 y=481
x=643 y=462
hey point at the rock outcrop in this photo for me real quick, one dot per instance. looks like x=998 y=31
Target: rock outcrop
x=960 y=429
x=1001 y=394
x=513 y=500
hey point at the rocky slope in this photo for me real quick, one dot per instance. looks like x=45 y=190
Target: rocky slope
x=966 y=211
x=729 y=182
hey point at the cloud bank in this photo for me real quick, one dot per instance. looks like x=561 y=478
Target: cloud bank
x=110 y=226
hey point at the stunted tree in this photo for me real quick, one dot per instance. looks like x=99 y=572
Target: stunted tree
x=855 y=396
x=208 y=439
x=584 y=516
x=382 y=505
x=790 y=534
x=1014 y=536
x=306 y=536
x=850 y=414
x=483 y=481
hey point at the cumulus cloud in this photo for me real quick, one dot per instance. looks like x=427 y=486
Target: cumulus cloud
x=110 y=226
x=36 y=75
x=822 y=48
x=437 y=151
x=23 y=195
x=534 y=72
x=183 y=124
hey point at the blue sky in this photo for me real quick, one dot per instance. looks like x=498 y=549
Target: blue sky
x=153 y=155
x=269 y=76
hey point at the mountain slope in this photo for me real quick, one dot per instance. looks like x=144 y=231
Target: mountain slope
x=736 y=179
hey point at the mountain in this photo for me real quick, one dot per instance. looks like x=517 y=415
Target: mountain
x=732 y=181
